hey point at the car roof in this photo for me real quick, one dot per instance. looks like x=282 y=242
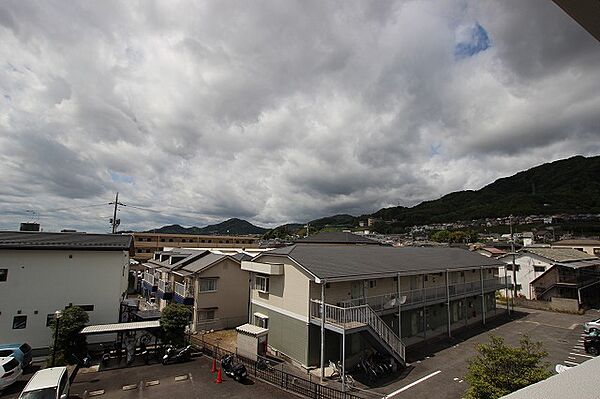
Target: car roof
x=45 y=378
x=10 y=346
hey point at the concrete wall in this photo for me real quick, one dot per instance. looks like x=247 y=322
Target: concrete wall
x=41 y=282
x=564 y=305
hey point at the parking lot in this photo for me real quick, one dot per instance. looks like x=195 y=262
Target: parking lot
x=185 y=380
x=438 y=370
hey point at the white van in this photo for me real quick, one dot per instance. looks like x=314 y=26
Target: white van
x=52 y=383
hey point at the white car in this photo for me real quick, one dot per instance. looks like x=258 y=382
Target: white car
x=51 y=383
x=590 y=326
x=10 y=371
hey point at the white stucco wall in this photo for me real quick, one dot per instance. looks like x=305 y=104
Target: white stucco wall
x=526 y=273
x=45 y=281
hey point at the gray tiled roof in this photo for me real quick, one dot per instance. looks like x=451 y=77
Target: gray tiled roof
x=336 y=237
x=203 y=262
x=560 y=254
x=81 y=241
x=343 y=261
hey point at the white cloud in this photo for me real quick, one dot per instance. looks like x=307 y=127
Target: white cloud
x=279 y=111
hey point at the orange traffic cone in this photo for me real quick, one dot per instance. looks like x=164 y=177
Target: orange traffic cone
x=219 y=377
x=214 y=366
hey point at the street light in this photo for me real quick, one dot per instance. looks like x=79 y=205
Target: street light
x=57 y=315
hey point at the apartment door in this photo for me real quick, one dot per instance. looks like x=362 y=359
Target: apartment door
x=357 y=290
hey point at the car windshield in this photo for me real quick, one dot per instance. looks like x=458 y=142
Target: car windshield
x=11 y=365
x=46 y=393
x=6 y=352
x=25 y=348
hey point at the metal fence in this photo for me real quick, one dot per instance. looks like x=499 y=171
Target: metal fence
x=280 y=378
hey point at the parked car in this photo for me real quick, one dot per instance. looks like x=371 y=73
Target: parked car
x=590 y=326
x=21 y=352
x=10 y=370
x=51 y=383
x=591 y=343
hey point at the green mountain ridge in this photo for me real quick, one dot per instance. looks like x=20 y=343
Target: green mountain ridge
x=231 y=226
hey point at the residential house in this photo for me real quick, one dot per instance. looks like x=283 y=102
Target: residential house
x=41 y=273
x=351 y=295
x=533 y=262
x=491 y=252
x=589 y=246
x=211 y=282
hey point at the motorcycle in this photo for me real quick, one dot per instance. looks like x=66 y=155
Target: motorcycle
x=236 y=371
x=173 y=355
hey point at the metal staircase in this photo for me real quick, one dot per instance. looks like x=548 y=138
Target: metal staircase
x=357 y=318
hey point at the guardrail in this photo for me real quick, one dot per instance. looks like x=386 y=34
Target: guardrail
x=428 y=294
x=149 y=278
x=279 y=378
x=164 y=286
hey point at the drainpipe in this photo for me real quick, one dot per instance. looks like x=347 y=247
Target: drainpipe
x=482 y=296
x=322 y=330
x=424 y=309
x=399 y=309
x=250 y=276
x=448 y=304
x=506 y=289
x=344 y=360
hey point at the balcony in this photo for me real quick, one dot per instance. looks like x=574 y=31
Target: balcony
x=149 y=282
x=427 y=295
x=183 y=294
x=164 y=290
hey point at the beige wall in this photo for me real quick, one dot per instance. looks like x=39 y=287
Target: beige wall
x=45 y=281
x=231 y=297
x=588 y=249
x=289 y=291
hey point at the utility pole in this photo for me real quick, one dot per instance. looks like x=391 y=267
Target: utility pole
x=114 y=221
x=514 y=268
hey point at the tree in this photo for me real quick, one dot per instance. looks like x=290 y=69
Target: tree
x=174 y=320
x=68 y=341
x=500 y=369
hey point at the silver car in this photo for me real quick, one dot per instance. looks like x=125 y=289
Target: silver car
x=592 y=326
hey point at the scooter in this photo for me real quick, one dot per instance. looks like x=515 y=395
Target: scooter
x=177 y=355
x=236 y=371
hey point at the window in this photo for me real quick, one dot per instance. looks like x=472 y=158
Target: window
x=509 y=267
x=19 y=322
x=539 y=269
x=206 y=314
x=261 y=283
x=3 y=274
x=49 y=319
x=372 y=283
x=87 y=308
x=208 y=284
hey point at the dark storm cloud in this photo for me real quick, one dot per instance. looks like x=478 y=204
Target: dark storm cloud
x=280 y=111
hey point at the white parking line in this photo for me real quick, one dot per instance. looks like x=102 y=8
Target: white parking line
x=581 y=354
x=412 y=384
x=570 y=362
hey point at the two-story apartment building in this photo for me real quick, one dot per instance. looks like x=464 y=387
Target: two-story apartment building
x=210 y=281
x=332 y=302
x=41 y=273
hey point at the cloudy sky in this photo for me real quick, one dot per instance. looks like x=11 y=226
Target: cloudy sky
x=280 y=111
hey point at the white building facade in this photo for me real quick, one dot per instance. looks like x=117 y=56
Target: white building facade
x=41 y=273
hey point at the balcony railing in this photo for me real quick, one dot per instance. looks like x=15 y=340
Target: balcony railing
x=182 y=290
x=428 y=294
x=355 y=317
x=149 y=278
x=164 y=286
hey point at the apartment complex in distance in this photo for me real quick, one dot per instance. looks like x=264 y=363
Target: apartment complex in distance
x=146 y=244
